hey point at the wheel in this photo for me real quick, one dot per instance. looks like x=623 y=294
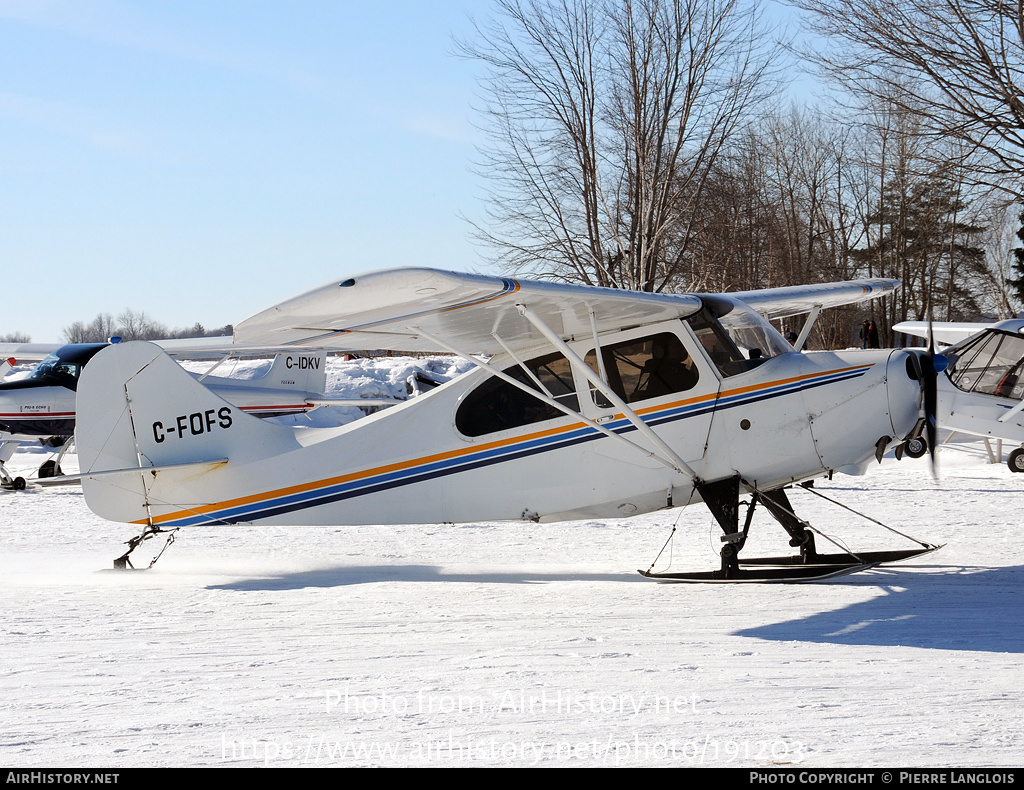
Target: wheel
x=915 y=448
x=19 y=484
x=1016 y=460
x=50 y=469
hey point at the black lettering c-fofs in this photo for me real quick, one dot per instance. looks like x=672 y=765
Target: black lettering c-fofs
x=196 y=423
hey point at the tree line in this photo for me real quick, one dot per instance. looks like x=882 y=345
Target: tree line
x=644 y=144
x=133 y=325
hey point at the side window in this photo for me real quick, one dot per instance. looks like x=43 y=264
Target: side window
x=645 y=368
x=497 y=405
x=58 y=372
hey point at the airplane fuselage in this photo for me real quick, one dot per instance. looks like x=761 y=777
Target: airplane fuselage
x=478 y=448
x=43 y=404
x=981 y=392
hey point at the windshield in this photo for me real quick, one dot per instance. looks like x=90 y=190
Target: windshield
x=753 y=335
x=64 y=366
x=735 y=337
x=989 y=363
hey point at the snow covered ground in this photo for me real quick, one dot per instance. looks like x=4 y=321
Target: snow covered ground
x=517 y=644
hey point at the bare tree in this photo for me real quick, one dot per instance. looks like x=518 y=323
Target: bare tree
x=957 y=64
x=605 y=120
x=130 y=325
x=96 y=331
x=998 y=293
x=136 y=325
x=687 y=75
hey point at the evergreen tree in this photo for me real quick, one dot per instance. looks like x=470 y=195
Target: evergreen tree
x=925 y=239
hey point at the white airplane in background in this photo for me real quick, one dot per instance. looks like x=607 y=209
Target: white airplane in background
x=594 y=403
x=983 y=386
x=42 y=404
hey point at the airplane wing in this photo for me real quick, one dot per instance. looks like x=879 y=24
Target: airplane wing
x=950 y=332
x=945 y=332
x=800 y=299
x=395 y=309
x=399 y=309
x=28 y=352
x=190 y=348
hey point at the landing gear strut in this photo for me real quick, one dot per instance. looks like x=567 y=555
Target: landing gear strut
x=8 y=482
x=722 y=499
x=122 y=563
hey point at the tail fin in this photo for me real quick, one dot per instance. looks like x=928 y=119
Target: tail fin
x=300 y=371
x=304 y=371
x=138 y=409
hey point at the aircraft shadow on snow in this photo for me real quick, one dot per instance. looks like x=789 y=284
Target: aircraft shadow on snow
x=370 y=574
x=966 y=608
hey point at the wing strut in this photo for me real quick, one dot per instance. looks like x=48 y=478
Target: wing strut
x=808 y=324
x=597 y=347
x=677 y=463
x=681 y=467
x=1012 y=412
x=216 y=365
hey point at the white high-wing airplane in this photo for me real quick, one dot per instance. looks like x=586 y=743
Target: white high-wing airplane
x=983 y=386
x=593 y=403
x=42 y=404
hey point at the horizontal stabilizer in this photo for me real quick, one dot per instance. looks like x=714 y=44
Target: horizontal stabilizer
x=63 y=480
x=291 y=371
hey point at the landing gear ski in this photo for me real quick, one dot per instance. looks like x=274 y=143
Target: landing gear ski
x=722 y=498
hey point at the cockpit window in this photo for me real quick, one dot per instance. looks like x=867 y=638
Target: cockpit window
x=991 y=364
x=56 y=371
x=645 y=368
x=496 y=405
x=753 y=335
x=736 y=338
x=63 y=367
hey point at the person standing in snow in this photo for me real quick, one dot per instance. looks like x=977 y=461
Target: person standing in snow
x=863 y=334
x=872 y=335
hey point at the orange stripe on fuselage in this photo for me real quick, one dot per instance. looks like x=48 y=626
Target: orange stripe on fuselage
x=465 y=451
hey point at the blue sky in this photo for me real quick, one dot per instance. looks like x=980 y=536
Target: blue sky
x=201 y=161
